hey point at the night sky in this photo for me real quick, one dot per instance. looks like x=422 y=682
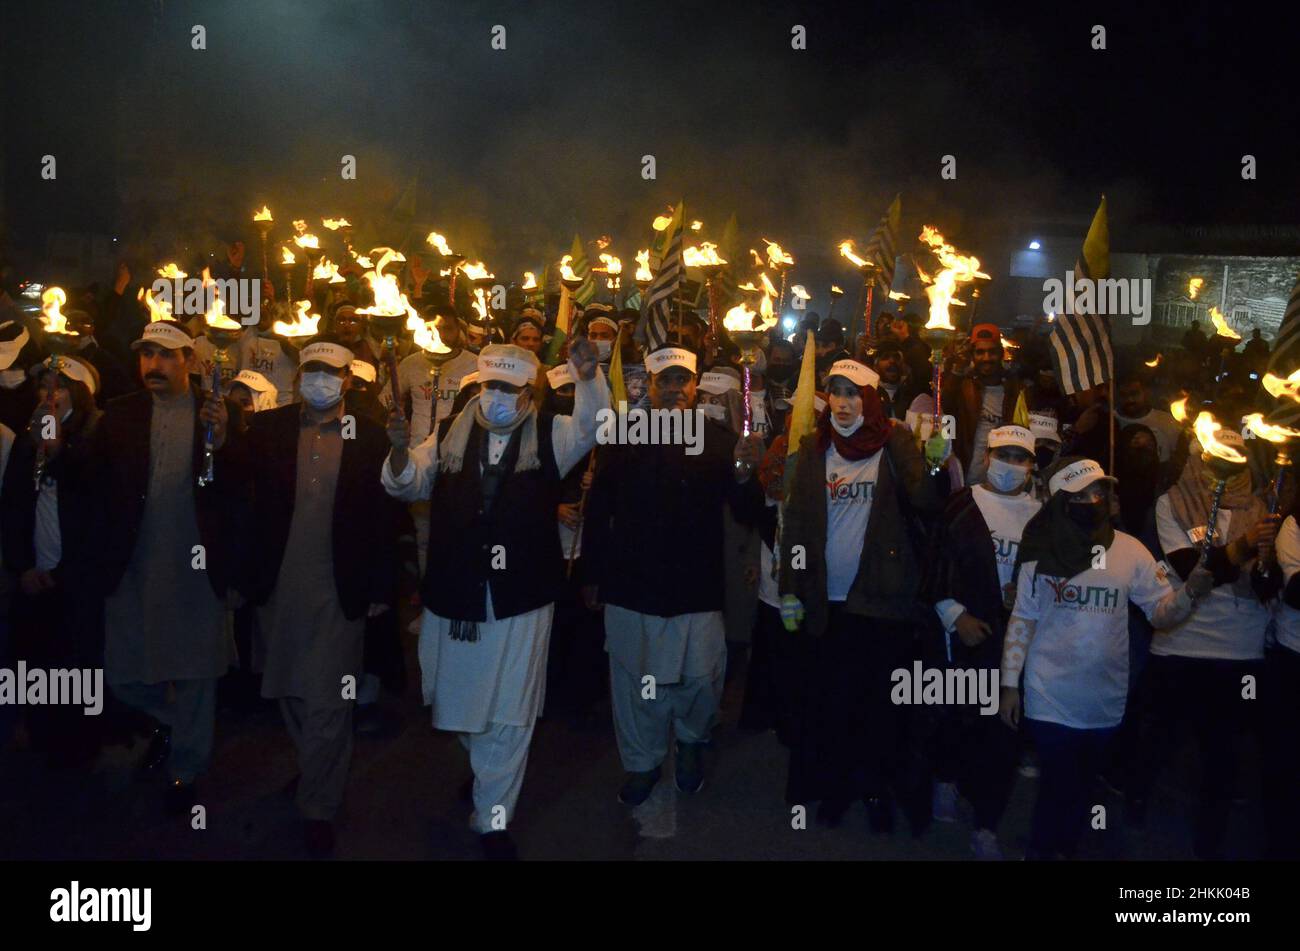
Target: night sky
x=515 y=150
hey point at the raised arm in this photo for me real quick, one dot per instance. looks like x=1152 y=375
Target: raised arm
x=575 y=436
x=409 y=472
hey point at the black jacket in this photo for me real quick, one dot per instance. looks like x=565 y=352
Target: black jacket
x=365 y=517
x=119 y=478
x=962 y=566
x=652 y=538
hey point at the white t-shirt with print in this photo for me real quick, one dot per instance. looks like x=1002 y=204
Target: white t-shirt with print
x=415 y=376
x=850 y=488
x=1076 y=669
x=1006 y=517
x=990 y=419
x=1223 y=625
x=760 y=423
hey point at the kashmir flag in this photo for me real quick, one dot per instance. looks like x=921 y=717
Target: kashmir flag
x=729 y=248
x=882 y=249
x=563 y=318
x=1081 y=347
x=1286 y=357
x=617 y=386
x=656 y=308
x=582 y=267
x=1095 y=260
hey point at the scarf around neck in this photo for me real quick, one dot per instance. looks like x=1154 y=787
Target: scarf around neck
x=452 y=452
x=1054 y=540
x=1190 y=499
x=866 y=440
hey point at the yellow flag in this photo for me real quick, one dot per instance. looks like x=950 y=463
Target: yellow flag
x=1020 y=415
x=1096 y=247
x=618 y=389
x=803 y=416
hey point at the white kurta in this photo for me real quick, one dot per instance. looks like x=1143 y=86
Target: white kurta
x=501 y=677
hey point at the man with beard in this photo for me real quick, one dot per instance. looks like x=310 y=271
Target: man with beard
x=494 y=486
x=663 y=602
x=166 y=558
x=896 y=391
x=981 y=402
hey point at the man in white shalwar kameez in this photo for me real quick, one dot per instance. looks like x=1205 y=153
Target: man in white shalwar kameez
x=493 y=486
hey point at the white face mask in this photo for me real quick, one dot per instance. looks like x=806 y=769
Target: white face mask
x=12 y=379
x=1006 y=476
x=603 y=349
x=850 y=429
x=714 y=411
x=321 y=390
x=498 y=408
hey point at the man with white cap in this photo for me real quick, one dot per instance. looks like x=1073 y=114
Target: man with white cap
x=1068 y=637
x=17 y=392
x=851 y=551
x=653 y=551
x=321 y=560
x=972 y=593
x=167 y=554
x=493 y=483
x=602 y=330
x=252 y=391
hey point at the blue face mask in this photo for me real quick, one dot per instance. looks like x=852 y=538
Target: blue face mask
x=1006 y=476
x=498 y=408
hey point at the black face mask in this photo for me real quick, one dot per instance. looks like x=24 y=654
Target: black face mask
x=1044 y=456
x=1142 y=460
x=564 y=405
x=1089 y=516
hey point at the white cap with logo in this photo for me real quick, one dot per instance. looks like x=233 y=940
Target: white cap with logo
x=165 y=334
x=1016 y=436
x=507 y=363
x=859 y=374
x=666 y=357
x=331 y=354
x=1078 y=476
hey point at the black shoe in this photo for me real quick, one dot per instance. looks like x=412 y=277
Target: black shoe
x=156 y=756
x=181 y=798
x=880 y=814
x=318 y=838
x=689 y=772
x=638 y=787
x=498 y=847
x=831 y=812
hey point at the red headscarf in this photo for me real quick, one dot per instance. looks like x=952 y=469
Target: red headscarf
x=868 y=438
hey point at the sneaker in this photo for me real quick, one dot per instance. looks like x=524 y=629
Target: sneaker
x=638 y=787
x=945 y=802
x=689 y=774
x=984 y=845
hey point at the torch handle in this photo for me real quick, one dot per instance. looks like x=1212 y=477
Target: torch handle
x=1274 y=504
x=390 y=357
x=582 y=509
x=1213 y=522
x=747 y=410
x=208 y=436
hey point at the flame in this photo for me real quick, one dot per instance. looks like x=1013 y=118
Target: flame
x=307 y=241
x=479 y=303
x=334 y=224
x=661 y=222
x=216 y=315
x=697 y=225
x=1194 y=287
x=158 y=310
x=477 y=271
x=705 y=255
x=1153 y=363
x=758 y=259
x=286 y=256
x=427 y=339
x=846 y=249
x=612 y=264
x=387 y=256
x=566 y=272
x=171 y=272
x=1206 y=427
x=1221 y=326
x=899 y=295
x=836 y=289
x=389 y=299
x=51 y=316
x=643 y=265
x=1255 y=423
x=800 y=292
x=1278 y=387
x=776 y=255
x=530 y=281
x=304 y=324
x=1008 y=344
x=1178 y=410
x=440 y=244
x=263 y=215
x=741 y=319
x=956 y=269
x=327 y=270
x=363 y=260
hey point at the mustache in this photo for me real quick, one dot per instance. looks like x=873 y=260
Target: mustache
x=156 y=376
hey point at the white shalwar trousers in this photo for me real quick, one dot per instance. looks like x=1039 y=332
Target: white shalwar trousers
x=498 y=756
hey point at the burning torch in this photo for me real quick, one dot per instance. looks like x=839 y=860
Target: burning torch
x=706 y=258
x=59 y=340
x=389 y=314
x=223 y=333
x=262 y=220
x=1224 y=462
x=868 y=281
x=740 y=325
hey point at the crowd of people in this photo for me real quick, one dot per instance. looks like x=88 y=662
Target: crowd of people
x=1054 y=545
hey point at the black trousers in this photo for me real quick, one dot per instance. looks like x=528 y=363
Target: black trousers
x=577 y=669
x=1203 y=697
x=852 y=738
x=1280 y=694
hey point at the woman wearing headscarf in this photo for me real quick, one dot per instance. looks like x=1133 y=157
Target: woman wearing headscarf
x=47 y=525
x=1068 y=635
x=1198 y=667
x=849 y=576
